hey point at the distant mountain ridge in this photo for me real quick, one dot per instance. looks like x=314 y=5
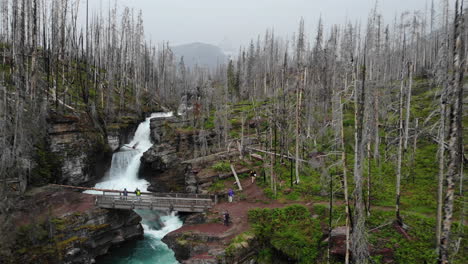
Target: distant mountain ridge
x=202 y=54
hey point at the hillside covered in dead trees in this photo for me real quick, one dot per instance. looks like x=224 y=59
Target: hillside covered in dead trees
x=361 y=124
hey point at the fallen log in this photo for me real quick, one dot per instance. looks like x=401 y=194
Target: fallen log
x=256 y=156
x=237 y=178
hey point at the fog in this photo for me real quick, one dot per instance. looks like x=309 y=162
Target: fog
x=230 y=23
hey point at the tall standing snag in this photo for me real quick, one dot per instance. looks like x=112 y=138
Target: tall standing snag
x=359 y=241
x=455 y=141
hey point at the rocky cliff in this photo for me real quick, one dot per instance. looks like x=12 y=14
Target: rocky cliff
x=174 y=142
x=81 y=152
x=120 y=132
x=51 y=225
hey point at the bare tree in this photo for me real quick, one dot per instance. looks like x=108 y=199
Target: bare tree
x=359 y=246
x=455 y=141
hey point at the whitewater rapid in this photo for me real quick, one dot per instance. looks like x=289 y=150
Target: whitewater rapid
x=124 y=174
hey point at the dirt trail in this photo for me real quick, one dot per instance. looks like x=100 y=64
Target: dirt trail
x=238 y=210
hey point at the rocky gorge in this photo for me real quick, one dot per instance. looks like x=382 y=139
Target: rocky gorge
x=62 y=226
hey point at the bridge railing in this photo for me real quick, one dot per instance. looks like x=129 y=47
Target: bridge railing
x=169 y=195
x=183 y=202
x=154 y=202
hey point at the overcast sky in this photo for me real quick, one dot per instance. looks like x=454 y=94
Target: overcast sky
x=235 y=22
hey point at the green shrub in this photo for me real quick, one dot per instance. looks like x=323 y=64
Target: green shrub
x=291 y=231
x=222 y=166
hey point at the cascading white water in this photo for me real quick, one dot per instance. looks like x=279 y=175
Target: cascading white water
x=120 y=162
x=124 y=174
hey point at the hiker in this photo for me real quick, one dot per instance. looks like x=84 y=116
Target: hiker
x=138 y=194
x=253 y=175
x=226 y=218
x=230 y=195
x=125 y=194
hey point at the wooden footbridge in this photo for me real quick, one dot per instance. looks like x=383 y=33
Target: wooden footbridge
x=180 y=202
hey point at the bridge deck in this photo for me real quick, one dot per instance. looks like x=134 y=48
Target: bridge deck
x=164 y=203
x=180 y=202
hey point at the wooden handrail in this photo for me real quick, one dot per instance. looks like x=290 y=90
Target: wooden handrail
x=109 y=197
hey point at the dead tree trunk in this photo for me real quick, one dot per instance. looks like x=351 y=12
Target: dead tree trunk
x=345 y=182
x=359 y=247
x=455 y=140
x=400 y=154
x=298 y=114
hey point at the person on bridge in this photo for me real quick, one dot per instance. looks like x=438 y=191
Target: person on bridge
x=125 y=194
x=231 y=195
x=138 y=194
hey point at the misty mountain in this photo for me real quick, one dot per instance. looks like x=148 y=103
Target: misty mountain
x=203 y=54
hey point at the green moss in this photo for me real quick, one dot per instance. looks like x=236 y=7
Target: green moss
x=181 y=242
x=69 y=243
x=186 y=130
x=60 y=223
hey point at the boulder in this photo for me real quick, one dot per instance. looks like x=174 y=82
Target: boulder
x=195 y=219
x=189 y=244
x=159 y=158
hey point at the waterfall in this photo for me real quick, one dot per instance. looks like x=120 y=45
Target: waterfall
x=124 y=174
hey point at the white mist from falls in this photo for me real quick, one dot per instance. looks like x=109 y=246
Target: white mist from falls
x=124 y=174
